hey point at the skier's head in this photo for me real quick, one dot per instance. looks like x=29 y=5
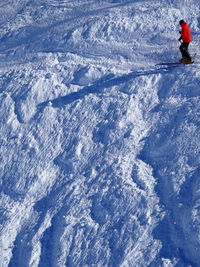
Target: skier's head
x=181 y=21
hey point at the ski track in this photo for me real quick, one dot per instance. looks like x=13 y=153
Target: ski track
x=99 y=160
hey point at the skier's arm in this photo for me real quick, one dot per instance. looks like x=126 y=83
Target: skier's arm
x=184 y=33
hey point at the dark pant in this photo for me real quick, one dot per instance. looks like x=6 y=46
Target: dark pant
x=184 y=50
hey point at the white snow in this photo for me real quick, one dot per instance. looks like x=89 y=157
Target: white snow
x=99 y=145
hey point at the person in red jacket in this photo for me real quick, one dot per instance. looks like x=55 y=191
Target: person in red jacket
x=186 y=39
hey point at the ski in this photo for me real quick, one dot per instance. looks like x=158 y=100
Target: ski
x=169 y=63
x=174 y=63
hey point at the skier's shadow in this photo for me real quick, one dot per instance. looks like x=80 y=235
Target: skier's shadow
x=98 y=87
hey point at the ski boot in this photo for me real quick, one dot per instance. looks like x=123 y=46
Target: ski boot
x=182 y=60
x=188 y=61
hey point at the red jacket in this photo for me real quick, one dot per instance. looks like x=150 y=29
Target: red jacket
x=185 y=33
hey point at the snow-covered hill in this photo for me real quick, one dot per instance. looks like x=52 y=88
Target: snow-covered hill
x=99 y=145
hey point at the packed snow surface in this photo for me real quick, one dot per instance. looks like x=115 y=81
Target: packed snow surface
x=99 y=144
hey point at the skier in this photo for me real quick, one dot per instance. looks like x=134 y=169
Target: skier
x=186 y=39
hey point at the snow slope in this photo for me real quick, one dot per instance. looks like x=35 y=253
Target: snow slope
x=99 y=146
